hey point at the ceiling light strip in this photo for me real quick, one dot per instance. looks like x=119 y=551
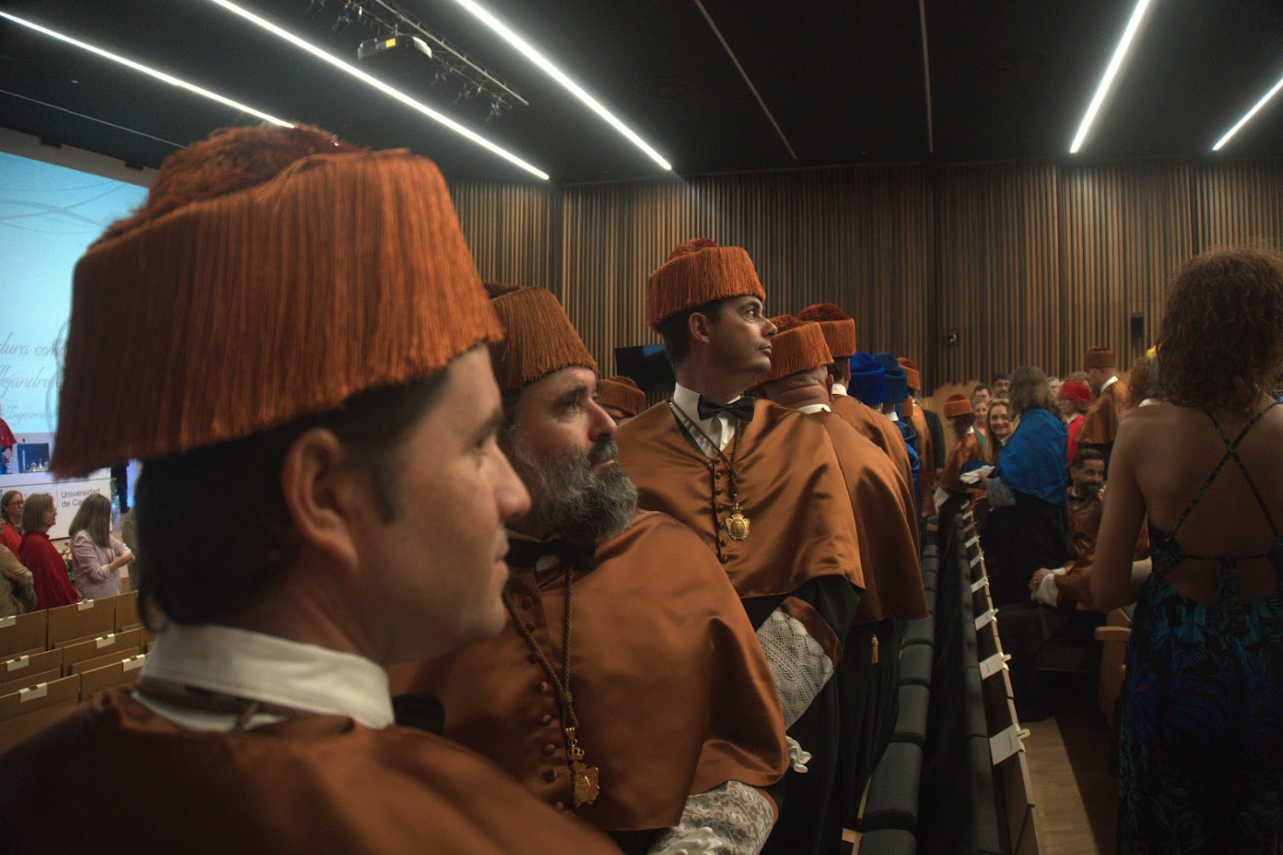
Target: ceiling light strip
x=1111 y=70
x=557 y=74
x=1248 y=117
x=381 y=86
x=151 y=72
x=744 y=74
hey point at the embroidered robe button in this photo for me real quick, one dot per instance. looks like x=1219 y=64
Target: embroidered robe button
x=550 y=775
x=530 y=626
x=527 y=602
x=559 y=806
x=546 y=720
x=724 y=558
x=544 y=688
x=549 y=749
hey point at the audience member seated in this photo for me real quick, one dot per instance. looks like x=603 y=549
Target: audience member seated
x=620 y=397
x=1001 y=385
x=96 y=556
x=11 y=504
x=1075 y=401
x=982 y=391
x=998 y=427
x=980 y=406
x=1054 y=384
x=53 y=588
x=17 y=586
x=1026 y=529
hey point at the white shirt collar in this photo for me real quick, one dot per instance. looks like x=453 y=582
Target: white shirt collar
x=720 y=428
x=815 y=408
x=839 y=388
x=1111 y=381
x=1075 y=417
x=265 y=668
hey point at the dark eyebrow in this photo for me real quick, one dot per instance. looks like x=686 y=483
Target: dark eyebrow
x=571 y=396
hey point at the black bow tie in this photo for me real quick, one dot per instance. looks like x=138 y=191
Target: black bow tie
x=741 y=409
x=525 y=553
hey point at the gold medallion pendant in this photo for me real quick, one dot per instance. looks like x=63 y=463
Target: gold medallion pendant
x=583 y=778
x=737 y=525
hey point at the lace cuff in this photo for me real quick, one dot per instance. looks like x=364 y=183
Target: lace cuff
x=1048 y=592
x=733 y=819
x=798 y=663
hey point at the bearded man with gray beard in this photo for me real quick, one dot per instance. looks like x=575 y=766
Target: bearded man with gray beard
x=628 y=688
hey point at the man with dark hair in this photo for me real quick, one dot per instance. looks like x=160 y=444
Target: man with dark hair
x=982 y=391
x=354 y=410
x=869 y=676
x=1001 y=385
x=1100 y=425
x=650 y=710
x=781 y=522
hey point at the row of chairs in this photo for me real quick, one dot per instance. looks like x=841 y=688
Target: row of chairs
x=891 y=810
x=50 y=660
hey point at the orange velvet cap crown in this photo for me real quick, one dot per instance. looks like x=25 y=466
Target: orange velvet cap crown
x=272 y=274
x=623 y=394
x=957 y=405
x=795 y=347
x=837 y=326
x=911 y=373
x=698 y=272
x=1099 y=357
x=538 y=338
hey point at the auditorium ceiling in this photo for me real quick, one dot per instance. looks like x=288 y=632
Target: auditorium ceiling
x=713 y=85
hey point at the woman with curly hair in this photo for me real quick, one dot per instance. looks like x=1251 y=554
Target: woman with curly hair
x=1202 y=745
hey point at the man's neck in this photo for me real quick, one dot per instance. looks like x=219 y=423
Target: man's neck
x=806 y=396
x=705 y=380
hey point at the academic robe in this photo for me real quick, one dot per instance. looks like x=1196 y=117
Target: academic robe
x=321 y=783
x=801 y=558
x=671 y=688
x=1100 y=425
x=964 y=451
x=925 y=447
x=868 y=676
x=878 y=429
x=53 y=588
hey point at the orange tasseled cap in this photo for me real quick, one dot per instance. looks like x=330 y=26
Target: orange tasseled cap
x=795 y=347
x=957 y=405
x=698 y=272
x=911 y=373
x=623 y=394
x=538 y=337
x=272 y=273
x=1099 y=357
x=837 y=326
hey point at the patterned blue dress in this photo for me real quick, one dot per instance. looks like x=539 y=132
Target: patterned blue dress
x=1202 y=751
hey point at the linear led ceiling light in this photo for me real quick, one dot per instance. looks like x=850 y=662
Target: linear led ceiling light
x=560 y=76
x=1248 y=117
x=151 y=72
x=315 y=51
x=1105 y=82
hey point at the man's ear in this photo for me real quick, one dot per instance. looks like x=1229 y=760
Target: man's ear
x=698 y=326
x=828 y=385
x=322 y=493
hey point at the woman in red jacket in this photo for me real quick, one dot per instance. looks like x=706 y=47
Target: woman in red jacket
x=53 y=588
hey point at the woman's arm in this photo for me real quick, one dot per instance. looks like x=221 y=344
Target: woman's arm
x=85 y=560
x=1113 y=583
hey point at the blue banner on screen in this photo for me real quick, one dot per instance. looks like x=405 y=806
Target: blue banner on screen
x=48 y=217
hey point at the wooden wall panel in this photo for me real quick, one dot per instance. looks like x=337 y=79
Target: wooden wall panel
x=511 y=229
x=997 y=269
x=1125 y=228
x=857 y=237
x=1239 y=205
x=1030 y=263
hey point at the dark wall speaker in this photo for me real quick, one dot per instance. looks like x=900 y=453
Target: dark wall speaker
x=1138 y=324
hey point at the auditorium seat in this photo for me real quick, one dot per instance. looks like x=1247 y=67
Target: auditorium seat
x=912 y=716
x=888 y=841
x=893 y=790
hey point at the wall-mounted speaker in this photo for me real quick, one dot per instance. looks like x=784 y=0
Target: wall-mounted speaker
x=1138 y=324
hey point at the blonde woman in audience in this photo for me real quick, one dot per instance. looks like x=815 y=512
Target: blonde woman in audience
x=980 y=406
x=96 y=556
x=998 y=427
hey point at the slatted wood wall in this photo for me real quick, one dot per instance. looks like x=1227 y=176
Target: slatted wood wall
x=1028 y=263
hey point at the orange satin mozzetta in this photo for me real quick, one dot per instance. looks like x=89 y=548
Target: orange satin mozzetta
x=671 y=688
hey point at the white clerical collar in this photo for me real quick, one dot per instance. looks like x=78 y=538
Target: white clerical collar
x=1111 y=381
x=971 y=430
x=265 y=668
x=815 y=408
x=839 y=388
x=892 y=416
x=1075 y=417
x=720 y=428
